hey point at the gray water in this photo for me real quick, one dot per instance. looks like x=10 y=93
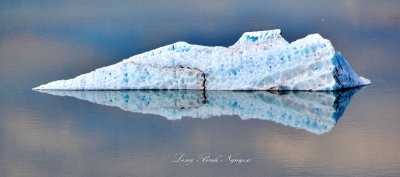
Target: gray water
x=86 y=134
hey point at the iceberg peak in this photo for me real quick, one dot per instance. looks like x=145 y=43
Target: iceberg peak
x=260 y=60
x=257 y=36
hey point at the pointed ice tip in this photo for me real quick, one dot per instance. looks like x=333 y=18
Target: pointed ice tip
x=365 y=81
x=36 y=88
x=40 y=87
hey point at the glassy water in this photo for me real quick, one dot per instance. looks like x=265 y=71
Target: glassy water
x=189 y=133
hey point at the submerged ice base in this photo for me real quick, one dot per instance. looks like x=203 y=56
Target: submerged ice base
x=260 y=60
x=316 y=112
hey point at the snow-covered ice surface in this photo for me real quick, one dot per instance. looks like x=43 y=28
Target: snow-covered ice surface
x=316 y=112
x=261 y=60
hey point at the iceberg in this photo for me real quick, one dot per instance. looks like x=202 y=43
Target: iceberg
x=315 y=112
x=261 y=60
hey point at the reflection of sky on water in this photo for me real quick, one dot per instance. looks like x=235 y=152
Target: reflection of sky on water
x=45 y=135
x=316 y=112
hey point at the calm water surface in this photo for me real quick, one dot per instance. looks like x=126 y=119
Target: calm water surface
x=86 y=134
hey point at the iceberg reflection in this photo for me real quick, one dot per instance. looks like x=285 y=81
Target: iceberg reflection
x=316 y=112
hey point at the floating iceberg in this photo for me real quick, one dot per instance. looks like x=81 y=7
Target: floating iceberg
x=261 y=60
x=316 y=112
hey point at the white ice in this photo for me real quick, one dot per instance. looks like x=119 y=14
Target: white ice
x=261 y=60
